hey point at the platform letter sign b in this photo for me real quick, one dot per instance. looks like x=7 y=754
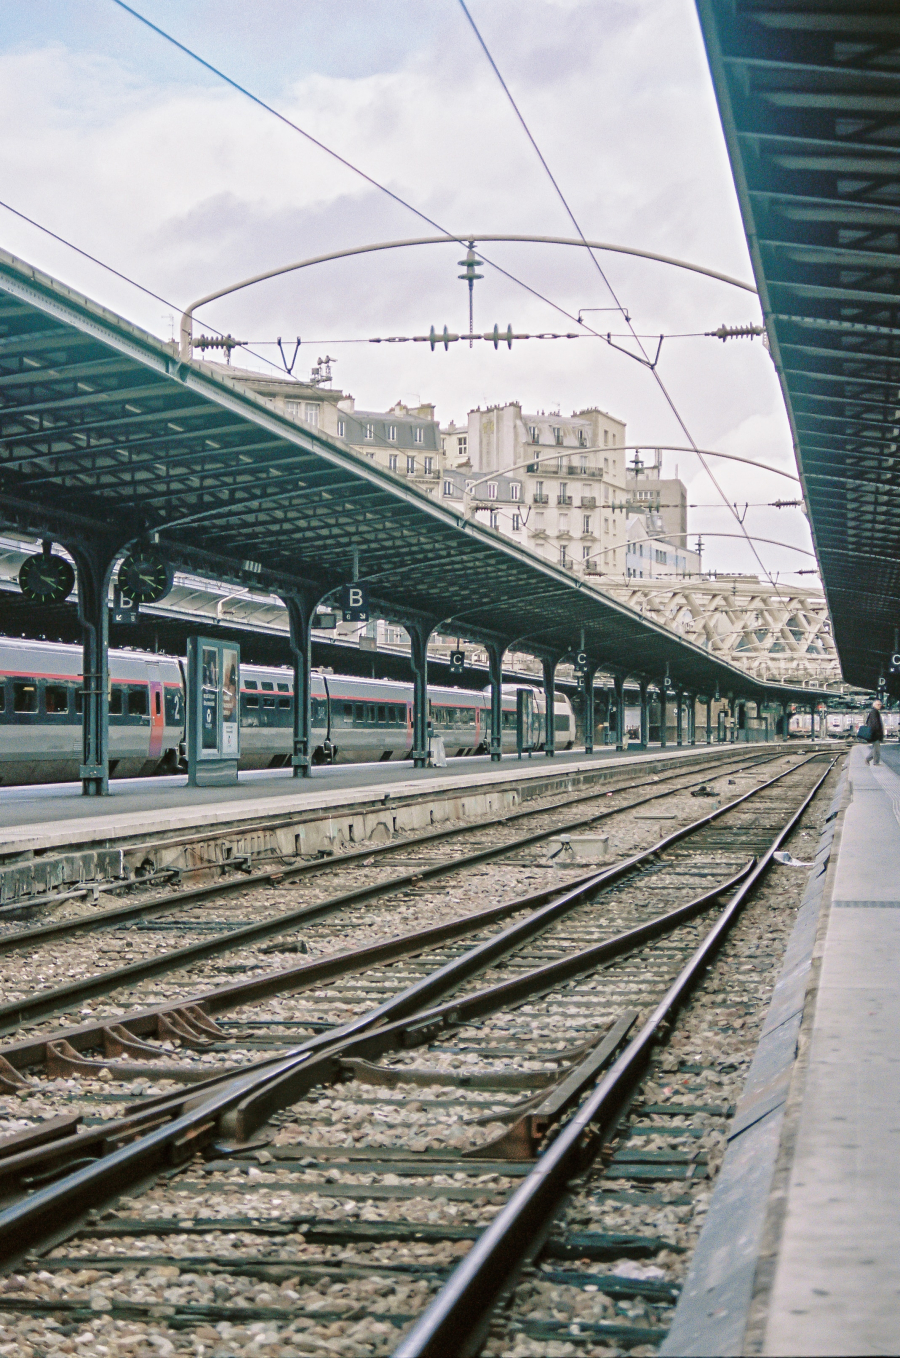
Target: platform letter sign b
x=355 y=603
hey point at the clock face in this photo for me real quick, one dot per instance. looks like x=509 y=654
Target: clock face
x=46 y=579
x=145 y=576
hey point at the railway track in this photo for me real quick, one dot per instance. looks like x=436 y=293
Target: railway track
x=317 y=1198
x=41 y=978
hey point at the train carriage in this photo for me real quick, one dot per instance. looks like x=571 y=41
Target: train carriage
x=353 y=720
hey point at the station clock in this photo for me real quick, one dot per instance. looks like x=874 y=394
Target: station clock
x=145 y=576
x=46 y=579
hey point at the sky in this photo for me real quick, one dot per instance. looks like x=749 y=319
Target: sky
x=132 y=151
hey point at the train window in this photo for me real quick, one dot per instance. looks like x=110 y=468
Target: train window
x=157 y=703
x=79 y=702
x=267 y=701
x=25 y=696
x=115 y=700
x=382 y=712
x=251 y=699
x=348 y=712
x=561 y=721
x=2 y=697
x=285 y=703
x=56 y=698
x=318 y=711
x=250 y=683
x=267 y=686
x=359 y=711
x=283 y=688
x=137 y=701
x=392 y=715
x=370 y=712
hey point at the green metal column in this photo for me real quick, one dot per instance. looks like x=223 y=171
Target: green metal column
x=662 y=715
x=645 y=716
x=549 y=714
x=301 y=608
x=496 y=652
x=709 y=703
x=679 y=717
x=589 y=723
x=419 y=632
x=619 y=683
x=94 y=563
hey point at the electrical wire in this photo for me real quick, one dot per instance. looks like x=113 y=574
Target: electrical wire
x=117 y=273
x=342 y=160
x=661 y=385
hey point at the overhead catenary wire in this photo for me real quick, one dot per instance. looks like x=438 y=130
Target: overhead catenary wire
x=571 y=215
x=355 y=169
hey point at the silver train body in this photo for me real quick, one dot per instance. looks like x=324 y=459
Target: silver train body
x=842 y=725
x=353 y=720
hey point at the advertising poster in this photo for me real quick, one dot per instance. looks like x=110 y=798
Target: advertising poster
x=230 y=703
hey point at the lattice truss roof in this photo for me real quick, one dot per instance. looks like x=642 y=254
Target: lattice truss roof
x=772 y=631
x=105 y=433
x=809 y=94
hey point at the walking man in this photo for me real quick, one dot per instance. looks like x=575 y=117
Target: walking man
x=876 y=727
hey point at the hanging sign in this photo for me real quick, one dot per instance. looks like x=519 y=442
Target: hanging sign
x=124 y=609
x=213 y=711
x=457 y=662
x=355 y=603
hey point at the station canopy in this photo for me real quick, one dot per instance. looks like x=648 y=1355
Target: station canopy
x=107 y=435
x=809 y=95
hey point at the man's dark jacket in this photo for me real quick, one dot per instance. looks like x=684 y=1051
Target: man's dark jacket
x=875 y=724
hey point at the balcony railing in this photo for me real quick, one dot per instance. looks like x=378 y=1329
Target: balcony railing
x=563 y=499
x=588 y=502
x=540 y=499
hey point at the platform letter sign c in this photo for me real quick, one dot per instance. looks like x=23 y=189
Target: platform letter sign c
x=895 y=663
x=355 y=603
x=457 y=662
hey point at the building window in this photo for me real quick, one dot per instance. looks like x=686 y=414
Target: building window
x=448 y=487
x=586 y=525
x=292 y=410
x=606 y=464
x=606 y=492
x=410 y=466
x=462 y=445
x=534 y=433
x=341 y=429
x=392 y=433
x=470 y=486
x=582 y=440
x=429 y=466
x=539 y=521
x=585 y=553
x=370 y=431
x=392 y=462
x=563 y=497
x=492 y=490
x=557 y=434
x=418 y=434
x=583 y=463
x=564 y=523
x=562 y=555
x=515 y=490
x=495 y=519
x=605 y=442
x=516 y=522
x=660 y=557
x=606 y=525
x=312 y=414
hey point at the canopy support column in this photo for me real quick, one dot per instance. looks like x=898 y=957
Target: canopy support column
x=692 y=718
x=496 y=651
x=679 y=717
x=94 y=564
x=301 y=610
x=589 y=721
x=709 y=703
x=663 y=735
x=549 y=666
x=619 y=685
x=419 y=632
x=645 y=716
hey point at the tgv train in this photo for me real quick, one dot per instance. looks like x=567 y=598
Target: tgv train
x=353 y=720
x=844 y=725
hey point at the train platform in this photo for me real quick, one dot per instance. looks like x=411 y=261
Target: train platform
x=42 y=816
x=800 y=1253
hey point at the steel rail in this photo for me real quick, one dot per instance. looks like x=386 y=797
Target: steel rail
x=45 y=1002
x=457 y=1320
x=99 y=919
x=243 y=1102
x=327 y=1063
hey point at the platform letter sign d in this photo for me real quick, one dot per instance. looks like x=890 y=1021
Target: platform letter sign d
x=355 y=603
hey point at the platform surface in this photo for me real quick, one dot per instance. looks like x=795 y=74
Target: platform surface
x=836 y=1287
x=42 y=816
